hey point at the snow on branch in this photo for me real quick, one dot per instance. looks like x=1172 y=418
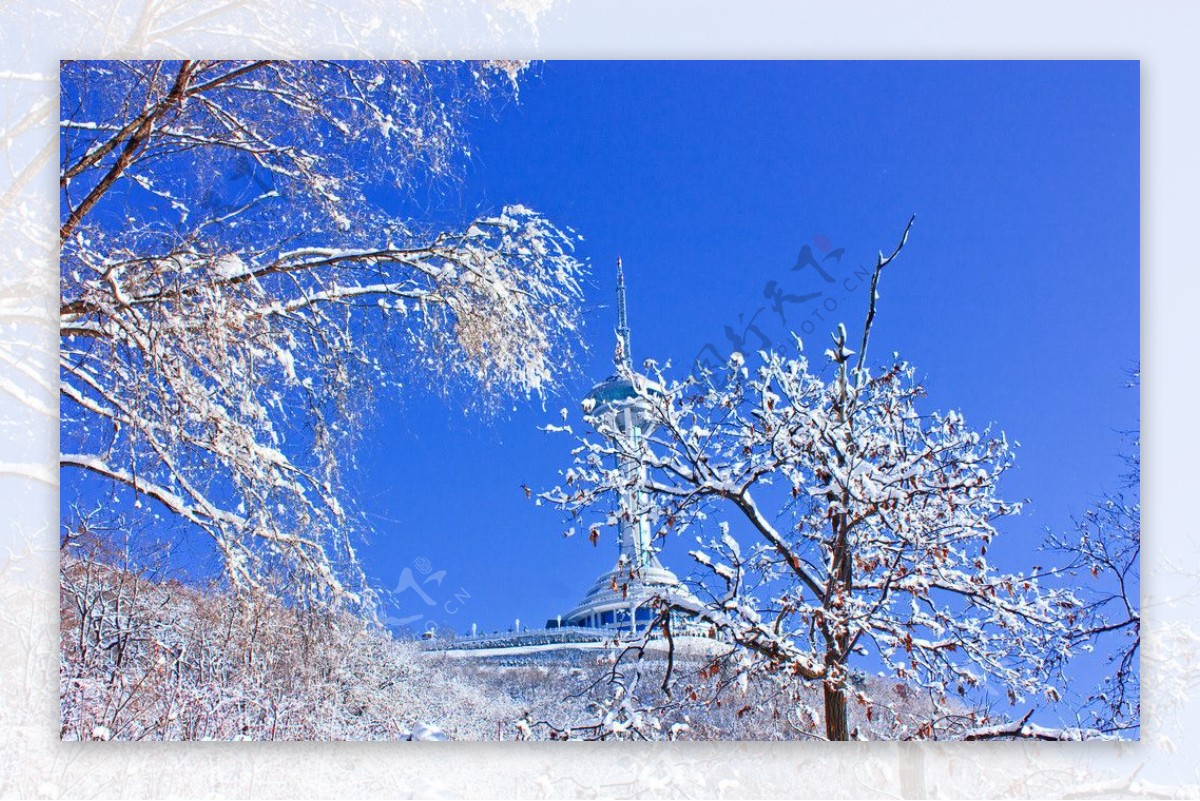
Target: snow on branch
x=1024 y=730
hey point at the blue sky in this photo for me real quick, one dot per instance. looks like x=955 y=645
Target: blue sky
x=1017 y=297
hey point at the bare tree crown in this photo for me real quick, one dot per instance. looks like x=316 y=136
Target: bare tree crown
x=851 y=524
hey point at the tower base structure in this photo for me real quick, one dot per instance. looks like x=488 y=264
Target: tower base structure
x=622 y=602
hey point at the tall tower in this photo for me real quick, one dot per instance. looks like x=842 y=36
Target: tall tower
x=619 y=599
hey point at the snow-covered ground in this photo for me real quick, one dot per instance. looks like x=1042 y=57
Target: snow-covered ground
x=148 y=660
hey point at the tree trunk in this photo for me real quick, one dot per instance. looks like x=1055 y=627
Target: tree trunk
x=838 y=641
x=835 y=713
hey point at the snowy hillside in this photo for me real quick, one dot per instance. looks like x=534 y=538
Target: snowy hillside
x=159 y=660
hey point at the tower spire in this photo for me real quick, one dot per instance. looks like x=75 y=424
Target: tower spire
x=623 y=356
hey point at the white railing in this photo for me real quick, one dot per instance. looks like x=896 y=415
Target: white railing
x=501 y=639
x=545 y=636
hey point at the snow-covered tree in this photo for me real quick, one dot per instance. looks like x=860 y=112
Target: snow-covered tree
x=1103 y=555
x=237 y=285
x=853 y=528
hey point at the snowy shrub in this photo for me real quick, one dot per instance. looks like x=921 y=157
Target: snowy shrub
x=158 y=660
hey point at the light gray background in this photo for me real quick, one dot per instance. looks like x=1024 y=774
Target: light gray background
x=34 y=763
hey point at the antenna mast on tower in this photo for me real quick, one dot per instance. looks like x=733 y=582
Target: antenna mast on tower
x=624 y=357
